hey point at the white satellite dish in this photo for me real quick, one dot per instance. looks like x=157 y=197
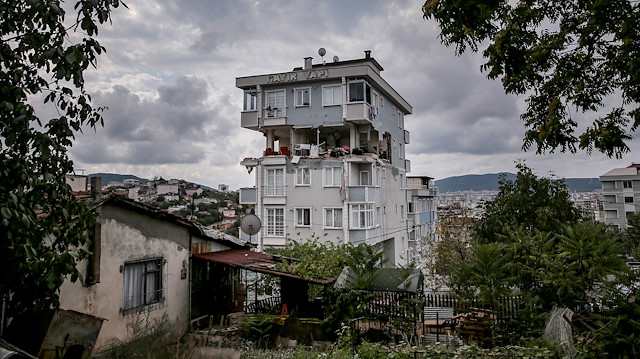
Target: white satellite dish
x=250 y=224
x=336 y=59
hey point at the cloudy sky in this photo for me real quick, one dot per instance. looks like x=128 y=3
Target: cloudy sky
x=173 y=111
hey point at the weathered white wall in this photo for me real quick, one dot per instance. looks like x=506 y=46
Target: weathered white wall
x=120 y=243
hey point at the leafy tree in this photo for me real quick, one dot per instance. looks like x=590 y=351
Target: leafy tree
x=536 y=203
x=568 y=56
x=631 y=236
x=43 y=226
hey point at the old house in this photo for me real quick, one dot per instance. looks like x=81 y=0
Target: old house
x=138 y=278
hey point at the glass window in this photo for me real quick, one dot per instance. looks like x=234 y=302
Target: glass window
x=303 y=97
x=303 y=217
x=332 y=95
x=364 y=178
x=333 y=217
x=303 y=177
x=275 y=103
x=359 y=91
x=627 y=184
x=628 y=200
x=249 y=100
x=333 y=176
x=275 y=222
x=142 y=283
x=275 y=182
x=361 y=216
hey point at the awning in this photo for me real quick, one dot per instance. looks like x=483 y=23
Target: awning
x=254 y=261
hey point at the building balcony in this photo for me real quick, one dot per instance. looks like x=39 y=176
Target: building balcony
x=248 y=195
x=249 y=119
x=359 y=112
x=361 y=194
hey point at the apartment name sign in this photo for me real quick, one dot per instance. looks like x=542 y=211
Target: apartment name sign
x=298 y=75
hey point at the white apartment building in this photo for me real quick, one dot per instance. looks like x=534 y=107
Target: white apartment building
x=333 y=164
x=620 y=194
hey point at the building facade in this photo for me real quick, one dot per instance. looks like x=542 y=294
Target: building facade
x=422 y=212
x=333 y=164
x=620 y=194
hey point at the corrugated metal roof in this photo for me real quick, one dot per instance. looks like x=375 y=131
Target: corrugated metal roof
x=254 y=261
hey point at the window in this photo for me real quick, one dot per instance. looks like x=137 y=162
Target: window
x=333 y=217
x=249 y=100
x=303 y=217
x=275 y=182
x=359 y=91
x=364 y=178
x=303 y=97
x=332 y=95
x=627 y=184
x=361 y=216
x=302 y=177
x=142 y=283
x=400 y=119
x=275 y=222
x=411 y=207
x=275 y=103
x=628 y=200
x=402 y=212
x=333 y=176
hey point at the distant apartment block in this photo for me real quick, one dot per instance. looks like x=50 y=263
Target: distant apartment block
x=620 y=194
x=333 y=163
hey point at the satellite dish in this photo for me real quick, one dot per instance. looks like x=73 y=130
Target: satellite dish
x=322 y=51
x=250 y=224
x=336 y=59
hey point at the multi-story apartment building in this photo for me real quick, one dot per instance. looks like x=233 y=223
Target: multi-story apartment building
x=333 y=164
x=421 y=212
x=620 y=194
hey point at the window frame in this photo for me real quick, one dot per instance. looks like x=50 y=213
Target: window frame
x=308 y=177
x=332 y=169
x=361 y=212
x=253 y=95
x=277 y=113
x=366 y=176
x=300 y=215
x=325 y=103
x=300 y=89
x=149 y=297
x=628 y=200
x=275 y=189
x=333 y=218
x=627 y=184
x=272 y=227
x=366 y=91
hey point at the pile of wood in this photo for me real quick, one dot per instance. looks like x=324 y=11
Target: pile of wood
x=475 y=326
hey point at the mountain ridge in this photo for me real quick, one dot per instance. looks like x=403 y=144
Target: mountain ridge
x=489 y=182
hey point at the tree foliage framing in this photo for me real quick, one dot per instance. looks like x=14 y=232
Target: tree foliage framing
x=570 y=55
x=43 y=227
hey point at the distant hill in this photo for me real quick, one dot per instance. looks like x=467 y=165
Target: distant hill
x=114 y=177
x=489 y=182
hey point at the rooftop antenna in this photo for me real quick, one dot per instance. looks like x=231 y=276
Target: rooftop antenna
x=322 y=52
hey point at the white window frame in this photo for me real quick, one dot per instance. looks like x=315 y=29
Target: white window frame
x=333 y=88
x=400 y=119
x=365 y=85
x=250 y=101
x=365 y=175
x=142 y=283
x=361 y=216
x=301 y=219
x=277 y=111
x=296 y=91
x=300 y=177
x=274 y=222
x=275 y=188
x=333 y=215
x=332 y=171
x=627 y=184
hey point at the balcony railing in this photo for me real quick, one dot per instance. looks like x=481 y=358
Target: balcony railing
x=273 y=191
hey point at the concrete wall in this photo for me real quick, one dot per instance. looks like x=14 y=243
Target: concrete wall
x=129 y=236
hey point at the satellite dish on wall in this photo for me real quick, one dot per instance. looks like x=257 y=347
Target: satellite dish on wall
x=250 y=224
x=336 y=59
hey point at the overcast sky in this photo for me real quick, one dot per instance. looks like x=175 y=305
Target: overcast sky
x=173 y=111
